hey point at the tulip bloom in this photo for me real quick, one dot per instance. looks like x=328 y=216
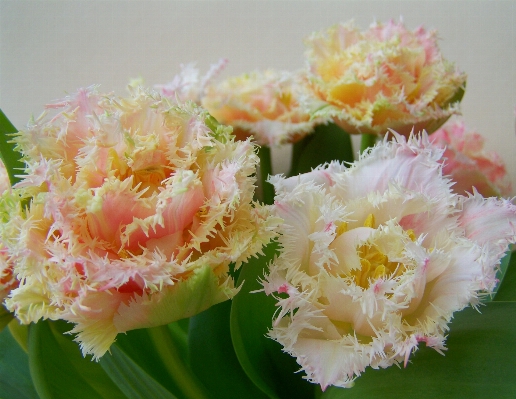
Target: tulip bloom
x=381 y=78
x=7 y=280
x=377 y=257
x=267 y=105
x=129 y=216
x=187 y=85
x=468 y=164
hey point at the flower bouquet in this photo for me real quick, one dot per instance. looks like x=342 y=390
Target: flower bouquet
x=148 y=251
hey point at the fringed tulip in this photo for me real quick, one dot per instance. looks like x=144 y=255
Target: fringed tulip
x=267 y=105
x=188 y=85
x=130 y=214
x=381 y=78
x=377 y=257
x=468 y=164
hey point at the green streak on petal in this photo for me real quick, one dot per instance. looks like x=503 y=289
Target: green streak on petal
x=184 y=299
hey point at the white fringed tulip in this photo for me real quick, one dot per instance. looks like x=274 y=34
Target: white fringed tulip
x=377 y=257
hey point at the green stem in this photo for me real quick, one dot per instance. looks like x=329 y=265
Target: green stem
x=176 y=367
x=297 y=149
x=265 y=170
x=368 y=140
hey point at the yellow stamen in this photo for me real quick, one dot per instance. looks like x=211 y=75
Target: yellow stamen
x=369 y=221
x=342 y=228
x=411 y=234
x=380 y=271
x=374 y=265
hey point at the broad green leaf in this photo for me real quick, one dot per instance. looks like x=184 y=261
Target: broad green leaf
x=162 y=353
x=132 y=380
x=479 y=363
x=176 y=365
x=20 y=333
x=327 y=143
x=10 y=156
x=5 y=317
x=213 y=358
x=15 y=380
x=138 y=345
x=179 y=334
x=506 y=290
x=58 y=369
x=270 y=369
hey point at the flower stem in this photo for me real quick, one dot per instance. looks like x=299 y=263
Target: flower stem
x=265 y=170
x=184 y=379
x=368 y=140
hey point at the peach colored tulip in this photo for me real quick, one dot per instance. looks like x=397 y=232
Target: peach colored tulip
x=267 y=105
x=381 y=78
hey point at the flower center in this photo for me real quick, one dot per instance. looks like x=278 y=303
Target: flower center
x=147 y=180
x=375 y=264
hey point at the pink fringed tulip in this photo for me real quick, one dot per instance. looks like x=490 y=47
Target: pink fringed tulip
x=377 y=257
x=266 y=105
x=468 y=164
x=381 y=78
x=129 y=216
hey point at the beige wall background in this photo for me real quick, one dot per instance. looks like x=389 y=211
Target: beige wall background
x=50 y=48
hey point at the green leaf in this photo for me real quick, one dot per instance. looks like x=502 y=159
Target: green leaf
x=58 y=369
x=478 y=364
x=10 y=156
x=327 y=143
x=506 y=290
x=162 y=353
x=177 y=366
x=213 y=358
x=132 y=380
x=5 y=317
x=15 y=380
x=270 y=369
x=20 y=333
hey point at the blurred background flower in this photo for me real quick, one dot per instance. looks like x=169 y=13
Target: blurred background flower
x=470 y=165
x=386 y=77
x=267 y=105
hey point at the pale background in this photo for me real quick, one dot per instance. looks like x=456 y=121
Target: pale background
x=49 y=48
